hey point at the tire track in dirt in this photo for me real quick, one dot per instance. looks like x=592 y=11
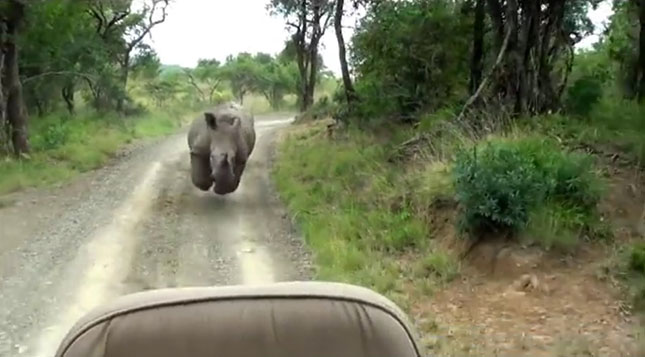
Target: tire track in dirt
x=195 y=238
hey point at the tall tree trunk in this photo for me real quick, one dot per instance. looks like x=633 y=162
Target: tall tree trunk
x=125 y=71
x=641 y=93
x=496 y=15
x=301 y=53
x=350 y=93
x=529 y=31
x=5 y=133
x=16 y=111
x=313 y=72
x=514 y=58
x=2 y=89
x=478 y=47
x=302 y=69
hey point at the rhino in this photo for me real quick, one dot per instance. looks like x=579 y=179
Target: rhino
x=220 y=142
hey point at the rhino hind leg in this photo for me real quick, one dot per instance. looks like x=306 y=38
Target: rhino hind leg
x=201 y=172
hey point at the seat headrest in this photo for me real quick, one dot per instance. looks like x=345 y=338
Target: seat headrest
x=312 y=319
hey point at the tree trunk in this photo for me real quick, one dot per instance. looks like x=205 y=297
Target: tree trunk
x=302 y=69
x=313 y=71
x=125 y=71
x=16 y=112
x=37 y=101
x=527 y=37
x=301 y=54
x=478 y=47
x=2 y=89
x=641 y=92
x=68 y=96
x=495 y=11
x=5 y=133
x=350 y=93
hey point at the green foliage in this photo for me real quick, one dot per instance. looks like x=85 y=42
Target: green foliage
x=622 y=44
x=243 y=73
x=583 y=94
x=91 y=47
x=497 y=186
x=440 y=265
x=358 y=213
x=322 y=109
x=637 y=259
x=502 y=182
x=409 y=56
x=273 y=77
x=557 y=225
x=633 y=263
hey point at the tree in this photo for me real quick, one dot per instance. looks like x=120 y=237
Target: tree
x=208 y=72
x=622 y=40
x=641 y=61
x=14 y=106
x=277 y=78
x=242 y=72
x=410 y=56
x=124 y=31
x=56 y=45
x=534 y=41
x=308 y=20
x=477 y=63
x=350 y=92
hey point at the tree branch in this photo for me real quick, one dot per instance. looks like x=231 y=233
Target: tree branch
x=85 y=76
x=151 y=23
x=500 y=57
x=193 y=82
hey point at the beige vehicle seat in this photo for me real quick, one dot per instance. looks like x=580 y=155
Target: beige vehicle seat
x=294 y=319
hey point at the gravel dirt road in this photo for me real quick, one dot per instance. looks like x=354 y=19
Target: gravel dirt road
x=134 y=225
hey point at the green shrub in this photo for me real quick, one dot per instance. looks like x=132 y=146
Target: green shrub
x=637 y=259
x=440 y=265
x=556 y=226
x=496 y=186
x=636 y=274
x=501 y=182
x=409 y=56
x=583 y=95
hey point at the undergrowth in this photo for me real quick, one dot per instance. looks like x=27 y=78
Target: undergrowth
x=362 y=217
x=64 y=146
x=526 y=184
x=636 y=274
x=371 y=221
x=613 y=126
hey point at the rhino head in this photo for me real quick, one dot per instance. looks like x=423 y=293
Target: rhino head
x=224 y=130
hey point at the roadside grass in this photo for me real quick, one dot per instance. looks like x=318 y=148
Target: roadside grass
x=63 y=146
x=614 y=126
x=376 y=223
x=357 y=213
x=258 y=104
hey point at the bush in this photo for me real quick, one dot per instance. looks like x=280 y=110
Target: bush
x=501 y=182
x=583 y=95
x=410 y=56
x=637 y=259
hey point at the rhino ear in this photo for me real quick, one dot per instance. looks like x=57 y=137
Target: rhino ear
x=210 y=120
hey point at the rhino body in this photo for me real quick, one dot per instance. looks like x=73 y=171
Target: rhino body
x=220 y=142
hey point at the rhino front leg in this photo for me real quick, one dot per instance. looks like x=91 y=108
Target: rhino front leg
x=201 y=172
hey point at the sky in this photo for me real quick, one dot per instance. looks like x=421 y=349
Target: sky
x=196 y=29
